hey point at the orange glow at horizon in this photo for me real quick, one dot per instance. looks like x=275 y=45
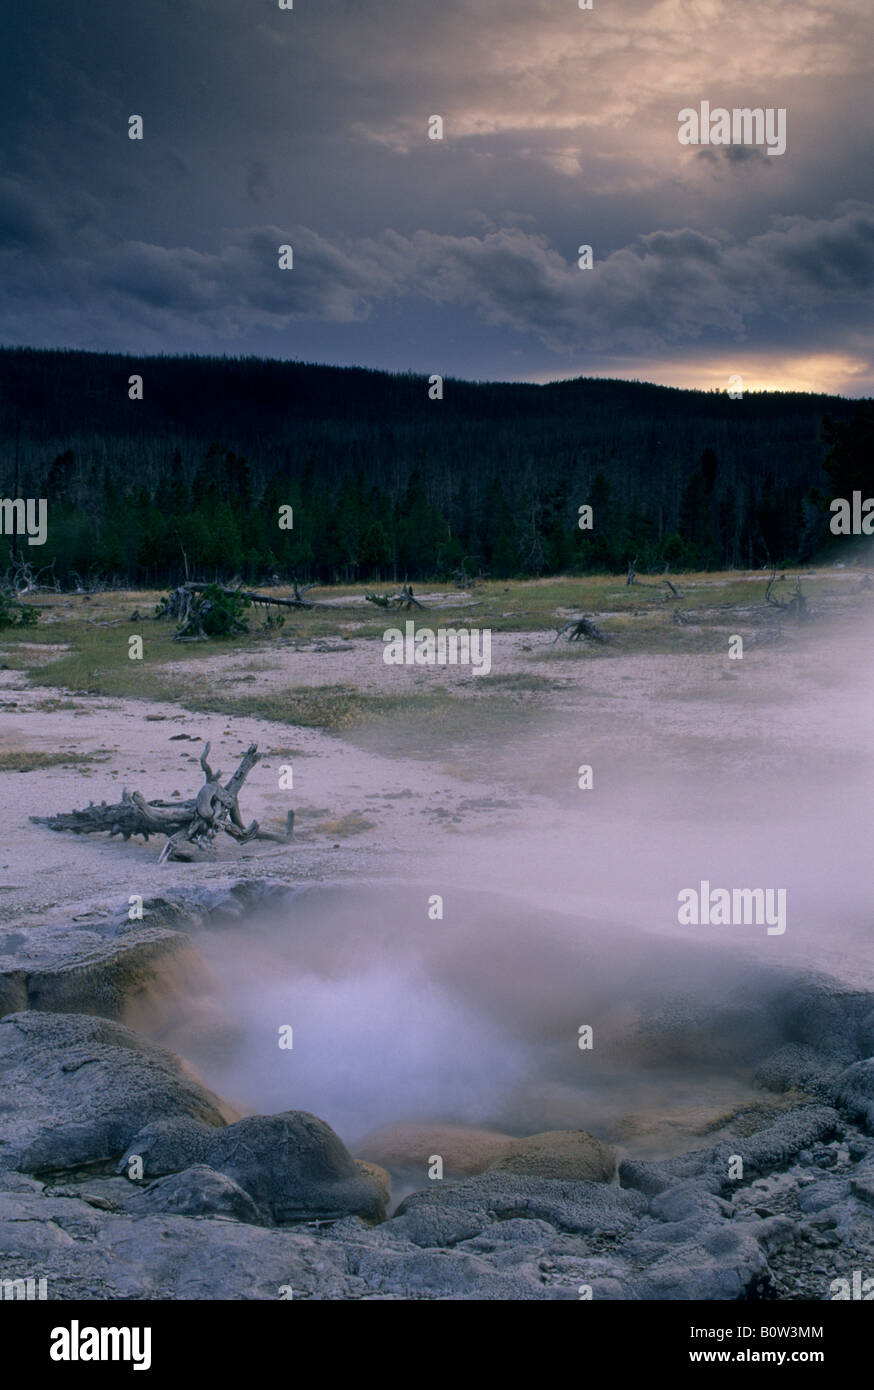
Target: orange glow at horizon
x=823 y=373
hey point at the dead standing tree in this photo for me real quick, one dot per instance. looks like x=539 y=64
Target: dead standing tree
x=796 y=607
x=631 y=578
x=190 y=826
x=20 y=578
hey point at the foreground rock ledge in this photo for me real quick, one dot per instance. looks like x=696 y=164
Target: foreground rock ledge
x=78 y=1088
x=253 y=1208
x=86 y=1093
x=98 y=965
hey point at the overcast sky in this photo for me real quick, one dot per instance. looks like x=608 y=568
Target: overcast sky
x=310 y=127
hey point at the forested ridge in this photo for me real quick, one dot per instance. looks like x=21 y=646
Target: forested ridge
x=385 y=482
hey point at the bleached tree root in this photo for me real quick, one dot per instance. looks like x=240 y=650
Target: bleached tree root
x=190 y=826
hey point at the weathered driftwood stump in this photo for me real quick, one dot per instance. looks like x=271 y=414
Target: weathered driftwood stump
x=583 y=627
x=190 y=826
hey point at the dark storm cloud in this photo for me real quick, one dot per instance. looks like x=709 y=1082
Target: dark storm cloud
x=309 y=126
x=22 y=221
x=735 y=154
x=242 y=286
x=666 y=288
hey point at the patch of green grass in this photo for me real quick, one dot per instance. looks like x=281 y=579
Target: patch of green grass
x=412 y=724
x=98 y=663
x=314 y=707
x=26 y=760
x=96 y=632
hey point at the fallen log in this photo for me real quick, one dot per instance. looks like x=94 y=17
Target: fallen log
x=297 y=602
x=192 y=603
x=190 y=826
x=404 y=599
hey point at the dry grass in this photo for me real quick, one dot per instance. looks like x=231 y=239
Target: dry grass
x=354 y=823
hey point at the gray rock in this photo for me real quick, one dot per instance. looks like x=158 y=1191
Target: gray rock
x=567 y=1206
x=518 y=1230
x=191 y=906
x=88 y=1253
x=816 y=1196
x=775 y=1232
x=656 y=1238
x=81 y=1087
x=423 y=1273
x=799 y=1067
x=866 y=1034
x=106 y=1194
x=725 y=1265
x=862 y=1186
x=201 y=1191
x=20 y=1182
x=860 y=1148
x=95 y=966
x=73 y=970
x=292 y=1165
x=433 y=1224
x=854 y=1092
x=96 y=1254
x=167 y=1146
x=766 y=1149
x=776 y=1145
x=820 y=1012
x=688 y=1201
x=649 y=1178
